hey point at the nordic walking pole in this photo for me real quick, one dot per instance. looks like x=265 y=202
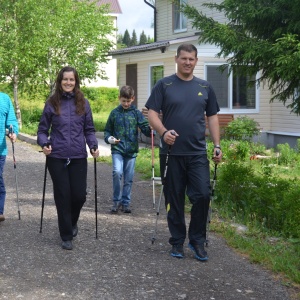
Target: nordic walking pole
x=96 y=188
x=153 y=179
x=10 y=132
x=212 y=192
x=160 y=196
x=44 y=191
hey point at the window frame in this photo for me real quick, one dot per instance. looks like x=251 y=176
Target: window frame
x=181 y=16
x=230 y=109
x=150 y=74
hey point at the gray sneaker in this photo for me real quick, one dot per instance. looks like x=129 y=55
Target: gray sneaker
x=126 y=209
x=67 y=245
x=115 y=208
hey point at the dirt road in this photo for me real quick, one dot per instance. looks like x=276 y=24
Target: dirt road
x=122 y=263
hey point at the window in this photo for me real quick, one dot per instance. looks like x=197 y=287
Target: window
x=156 y=73
x=232 y=91
x=179 y=19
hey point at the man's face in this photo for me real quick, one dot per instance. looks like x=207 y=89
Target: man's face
x=186 y=62
x=126 y=102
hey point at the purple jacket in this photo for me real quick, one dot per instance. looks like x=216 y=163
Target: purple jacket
x=69 y=132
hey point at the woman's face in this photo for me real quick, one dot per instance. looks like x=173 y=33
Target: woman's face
x=68 y=82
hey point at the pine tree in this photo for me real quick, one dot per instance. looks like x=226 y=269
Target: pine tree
x=133 y=41
x=143 y=38
x=126 y=38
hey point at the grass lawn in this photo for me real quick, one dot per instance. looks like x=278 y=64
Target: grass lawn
x=100 y=120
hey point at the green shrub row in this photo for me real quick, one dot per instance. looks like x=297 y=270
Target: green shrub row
x=101 y=98
x=260 y=192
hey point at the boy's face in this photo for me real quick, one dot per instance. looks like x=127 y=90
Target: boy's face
x=125 y=102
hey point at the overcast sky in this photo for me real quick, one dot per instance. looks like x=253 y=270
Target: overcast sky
x=136 y=14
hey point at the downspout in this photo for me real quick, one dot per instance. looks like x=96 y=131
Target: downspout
x=154 y=18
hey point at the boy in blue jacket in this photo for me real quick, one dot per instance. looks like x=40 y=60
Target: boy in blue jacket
x=121 y=131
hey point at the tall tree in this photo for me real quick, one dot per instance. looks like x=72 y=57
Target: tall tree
x=133 y=41
x=259 y=37
x=126 y=38
x=143 y=38
x=38 y=38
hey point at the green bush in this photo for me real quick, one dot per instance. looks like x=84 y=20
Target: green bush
x=258 y=198
x=287 y=154
x=291 y=211
x=234 y=186
x=101 y=98
x=242 y=128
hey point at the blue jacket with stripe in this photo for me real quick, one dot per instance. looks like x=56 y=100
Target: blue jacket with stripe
x=7 y=118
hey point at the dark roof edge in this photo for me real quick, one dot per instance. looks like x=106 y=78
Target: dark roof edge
x=141 y=48
x=162 y=45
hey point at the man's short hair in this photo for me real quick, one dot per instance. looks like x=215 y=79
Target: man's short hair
x=127 y=92
x=188 y=48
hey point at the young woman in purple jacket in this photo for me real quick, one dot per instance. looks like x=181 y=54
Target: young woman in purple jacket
x=66 y=126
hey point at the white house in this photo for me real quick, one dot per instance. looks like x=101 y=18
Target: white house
x=141 y=66
x=111 y=67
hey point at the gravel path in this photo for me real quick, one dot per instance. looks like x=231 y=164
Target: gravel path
x=122 y=263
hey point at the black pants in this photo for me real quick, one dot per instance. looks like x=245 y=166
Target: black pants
x=186 y=175
x=69 y=187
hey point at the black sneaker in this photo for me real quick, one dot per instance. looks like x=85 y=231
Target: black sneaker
x=177 y=251
x=199 y=251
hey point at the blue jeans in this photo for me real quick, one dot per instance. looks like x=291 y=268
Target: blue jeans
x=122 y=167
x=2 y=186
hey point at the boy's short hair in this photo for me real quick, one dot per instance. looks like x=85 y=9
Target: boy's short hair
x=127 y=92
x=187 y=48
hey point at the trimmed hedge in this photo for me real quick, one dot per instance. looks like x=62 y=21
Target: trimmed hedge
x=101 y=98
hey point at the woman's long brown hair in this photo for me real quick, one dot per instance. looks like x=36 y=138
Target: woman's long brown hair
x=55 y=99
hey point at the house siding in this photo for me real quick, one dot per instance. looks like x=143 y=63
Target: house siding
x=165 y=19
x=283 y=119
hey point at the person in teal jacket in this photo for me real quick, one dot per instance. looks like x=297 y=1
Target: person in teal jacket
x=121 y=131
x=7 y=120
